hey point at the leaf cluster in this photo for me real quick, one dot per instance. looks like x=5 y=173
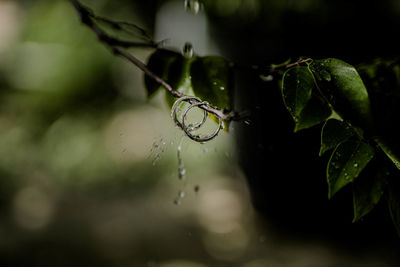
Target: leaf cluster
x=332 y=92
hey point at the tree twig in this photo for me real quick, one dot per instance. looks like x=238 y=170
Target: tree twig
x=112 y=43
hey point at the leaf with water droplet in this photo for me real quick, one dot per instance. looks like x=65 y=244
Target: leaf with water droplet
x=313 y=114
x=342 y=87
x=333 y=133
x=297 y=88
x=210 y=74
x=368 y=190
x=344 y=156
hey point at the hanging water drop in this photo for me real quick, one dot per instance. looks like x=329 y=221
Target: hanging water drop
x=181 y=167
x=222 y=88
x=196 y=188
x=181 y=194
x=187 y=50
x=355 y=165
x=192 y=6
x=181 y=172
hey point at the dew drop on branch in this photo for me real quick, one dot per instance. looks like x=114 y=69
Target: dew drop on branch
x=192 y=6
x=187 y=50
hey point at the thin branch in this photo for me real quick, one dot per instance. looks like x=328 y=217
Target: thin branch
x=269 y=69
x=112 y=43
x=87 y=18
x=297 y=63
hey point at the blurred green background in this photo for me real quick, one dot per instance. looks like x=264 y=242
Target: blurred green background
x=88 y=166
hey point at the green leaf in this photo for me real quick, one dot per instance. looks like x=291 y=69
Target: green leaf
x=343 y=88
x=169 y=66
x=212 y=81
x=333 y=133
x=314 y=113
x=297 y=88
x=368 y=190
x=346 y=163
x=179 y=79
x=390 y=153
x=394 y=204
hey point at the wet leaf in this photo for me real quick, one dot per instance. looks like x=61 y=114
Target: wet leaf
x=313 y=114
x=212 y=81
x=179 y=79
x=297 y=88
x=346 y=163
x=333 y=133
x=342 y=87
x=368 y=190
x=169 y=66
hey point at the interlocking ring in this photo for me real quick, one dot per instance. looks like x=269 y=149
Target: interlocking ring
x=188 y=130
x=174 y=111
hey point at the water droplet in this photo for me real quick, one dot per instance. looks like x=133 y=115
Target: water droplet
x=181 y=172
x=326 y=76
x=268 y=78
x=222 y=88
x=196 y=188
x=247 y=122
x=177 y=202
x=192 y=6
x=181 y=194
x=187 y=50
x=355 y=165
